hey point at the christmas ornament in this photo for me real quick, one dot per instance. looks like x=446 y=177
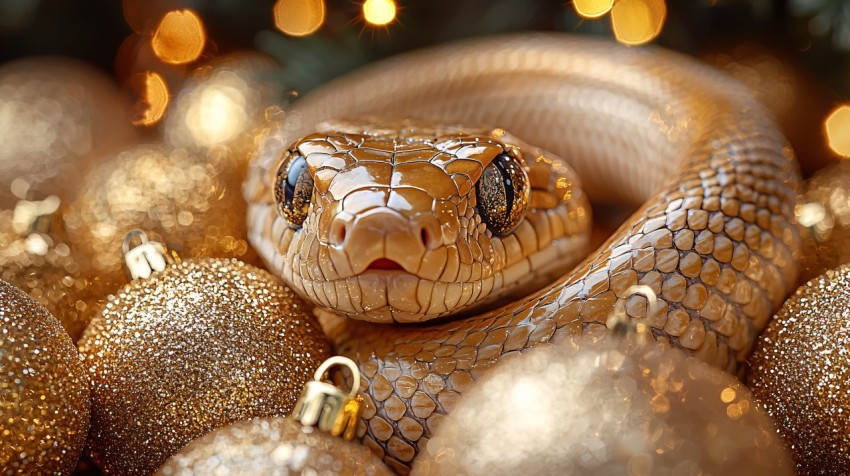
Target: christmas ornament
x=605 y=407
x=44 y=390
x=801 y=373
x=203 y=343
x=302 y=444
x=185 y=199
x=222 y=105
x=823 y=214
x=35 y=258
x=58 y=116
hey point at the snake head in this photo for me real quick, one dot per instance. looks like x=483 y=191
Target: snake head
x=408 y=221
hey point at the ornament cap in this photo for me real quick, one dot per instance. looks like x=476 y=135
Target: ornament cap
x=327 y=406
x=620 y=323
x=145 y=259
x=34 y=216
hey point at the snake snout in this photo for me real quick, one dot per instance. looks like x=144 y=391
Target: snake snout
x=384 y=236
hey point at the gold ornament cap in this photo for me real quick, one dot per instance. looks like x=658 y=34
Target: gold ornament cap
x=328 y=407
x=621 y=324
x=145 y=259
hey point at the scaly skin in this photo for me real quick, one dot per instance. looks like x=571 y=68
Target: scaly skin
x=714 y=236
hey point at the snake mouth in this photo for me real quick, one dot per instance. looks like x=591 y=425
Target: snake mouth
x=384 y=264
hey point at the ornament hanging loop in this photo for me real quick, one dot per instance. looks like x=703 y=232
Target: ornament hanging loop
x=327 y=406
x=146 y=258
x=619 y=321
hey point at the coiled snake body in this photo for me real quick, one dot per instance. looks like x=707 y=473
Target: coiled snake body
x=714 y=236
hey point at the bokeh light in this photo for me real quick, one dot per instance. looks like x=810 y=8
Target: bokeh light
x=153 y=98
x=593 y=8
x=179 y=38
x=299 y=17
x=837 y=127
x=379 y=12
x=637 y=22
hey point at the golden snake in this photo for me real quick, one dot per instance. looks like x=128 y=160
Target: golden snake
x=714 y=236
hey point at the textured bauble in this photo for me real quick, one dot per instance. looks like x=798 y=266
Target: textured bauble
x=222 y=105
x=188 y=200
x=801 y=373
x=58 y=117
x=606 y=408
x=44 y=390
x=56 y=276
x=272 y=447
x=204 y=343
x=824 y=216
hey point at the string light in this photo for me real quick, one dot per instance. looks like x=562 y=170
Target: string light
x=153 y=100
x=637 y=22
x=837 y=127
x=379 y=12
x=592 y=8
x=299 y=17
x=179 y=38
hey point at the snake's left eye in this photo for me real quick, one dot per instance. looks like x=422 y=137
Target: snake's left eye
x=502 y=194
x=294 y=189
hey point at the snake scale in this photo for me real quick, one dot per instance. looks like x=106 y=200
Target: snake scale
x=713 y=236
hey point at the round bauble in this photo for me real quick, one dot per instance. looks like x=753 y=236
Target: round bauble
x=44 y=390
x=44 y=266
x=204 y=343
x=189 y=200
x=223 y=104
x=609 y=408
x=800 y=372
x=824 y=216
x=59 y=116
x=272 y=447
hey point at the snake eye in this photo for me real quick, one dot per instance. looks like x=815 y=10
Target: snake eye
x=294 y=189
x=502 y=194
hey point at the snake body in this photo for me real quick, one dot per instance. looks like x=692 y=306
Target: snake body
x=713 y=235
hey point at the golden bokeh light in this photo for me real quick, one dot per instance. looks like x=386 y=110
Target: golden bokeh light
x=637 y=22
x=593 y=8
x=379 y=12
x=179 y=38
x=299 y=17
x=153 y=99
x=837 y=127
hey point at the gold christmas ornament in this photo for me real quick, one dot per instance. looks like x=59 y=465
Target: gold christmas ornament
x=35 y=257
x=823 y=214
x=801 y=373
x=189 y=200
x=222 y=105
x=605 y=408
x=202 y=344
x=58 y=117
x=304 y=444
x=44 y=390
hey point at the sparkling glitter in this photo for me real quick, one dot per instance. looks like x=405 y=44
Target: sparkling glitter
x=272 y=447
x=801 y=373
x=202 y=344
x=44 y=394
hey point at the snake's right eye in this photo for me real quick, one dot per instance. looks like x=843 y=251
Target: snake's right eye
x=294 y=189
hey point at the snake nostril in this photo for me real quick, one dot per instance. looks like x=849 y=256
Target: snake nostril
x=341 y=234
x=425 y=237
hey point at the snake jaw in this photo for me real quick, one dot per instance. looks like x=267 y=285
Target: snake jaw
x=407 y=199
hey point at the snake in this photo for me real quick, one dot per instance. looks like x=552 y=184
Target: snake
x=709 y=175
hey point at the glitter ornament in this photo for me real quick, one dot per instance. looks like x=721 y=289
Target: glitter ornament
x=824 y=217
x=59 y=116
x=188 y=200
x=311 y=441
x=605 y=408
x=800 y=372
x=35 y=258
x=202 y=344
x=272 y=446
x=44 y=390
